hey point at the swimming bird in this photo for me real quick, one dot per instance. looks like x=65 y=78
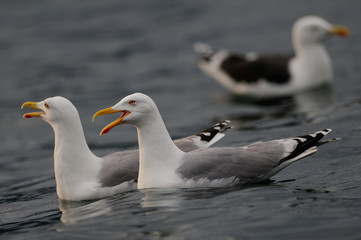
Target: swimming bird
x=79 y=174
x=163 y=164
x=259 y=76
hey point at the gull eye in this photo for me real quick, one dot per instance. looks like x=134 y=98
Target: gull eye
x=132 y=102
x=314 y=28
x=46 y=105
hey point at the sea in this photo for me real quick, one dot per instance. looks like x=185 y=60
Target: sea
x=96 y=52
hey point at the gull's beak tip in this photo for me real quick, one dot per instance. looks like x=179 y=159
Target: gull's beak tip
x=105 y=130
x=25 y=105
x=340 y=31
x=101 y=112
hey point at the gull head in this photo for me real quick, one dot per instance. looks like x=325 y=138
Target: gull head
x=135 y=109
x=314 y=29
x=52 y=110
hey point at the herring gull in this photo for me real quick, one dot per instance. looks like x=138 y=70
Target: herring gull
x=163 y=164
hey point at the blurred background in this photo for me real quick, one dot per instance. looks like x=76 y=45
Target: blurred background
x=96 y=52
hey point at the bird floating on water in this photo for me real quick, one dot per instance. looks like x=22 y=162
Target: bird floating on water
x=259 y=76
x=163 y=164
x=79 y=174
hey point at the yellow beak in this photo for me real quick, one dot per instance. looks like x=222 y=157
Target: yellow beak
x=116 y=122
x=340 y=31
x=104 y=112
x=33 y=114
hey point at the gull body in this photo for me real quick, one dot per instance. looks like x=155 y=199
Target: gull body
x=163 y=164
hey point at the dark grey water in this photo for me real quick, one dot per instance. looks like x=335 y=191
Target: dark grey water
x=96 y=52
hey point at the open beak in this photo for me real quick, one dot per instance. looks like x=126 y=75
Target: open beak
x=32 y=114
x=340 y=31
x=116 y=122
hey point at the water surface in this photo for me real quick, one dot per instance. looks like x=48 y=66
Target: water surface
x=96 y=52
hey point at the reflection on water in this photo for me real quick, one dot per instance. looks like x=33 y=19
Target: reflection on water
x=169 y=199
x=164 y=198
x=315 y=102
x=73 y=212
x=287 y=111
x=173 y=199
x=157 y=213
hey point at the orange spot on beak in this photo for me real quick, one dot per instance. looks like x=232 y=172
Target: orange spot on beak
x=340 y=31
x=33 y=114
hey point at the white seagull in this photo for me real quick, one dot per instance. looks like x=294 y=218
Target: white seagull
x=79 y=174
x=163 y=164
x=260 y=76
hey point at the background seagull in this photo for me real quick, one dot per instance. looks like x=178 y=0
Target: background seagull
x=275 y=75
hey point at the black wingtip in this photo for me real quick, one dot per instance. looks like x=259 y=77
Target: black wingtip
x=308 y=141
x=209 y=133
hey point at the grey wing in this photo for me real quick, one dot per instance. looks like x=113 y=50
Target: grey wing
x=204 y=138
x=253 y=163
x=244 y=163
x=119 y=167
